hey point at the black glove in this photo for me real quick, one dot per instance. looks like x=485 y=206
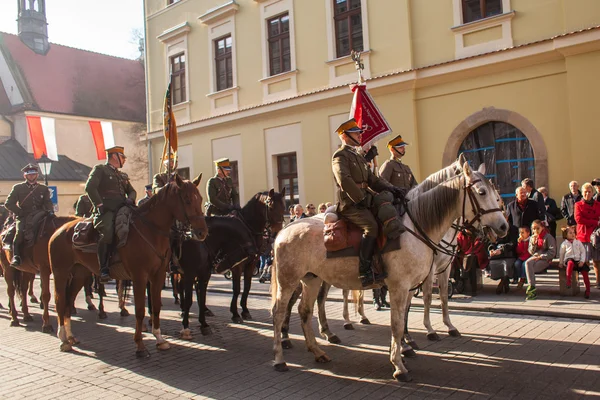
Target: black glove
x=130 y=202
x=371 y=154
x=361 y=205
x=100 y=210
x=399 y=193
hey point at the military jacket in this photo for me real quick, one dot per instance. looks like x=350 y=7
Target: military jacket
x=24 y=199
x=108 y=186
x=160 y=181
x=84 y=207
x=397 y=174
x=352 y=176
x=221 y=193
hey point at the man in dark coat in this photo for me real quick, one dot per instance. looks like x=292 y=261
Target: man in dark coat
x=567 y=204
x=109 y=189
x=536 y=196
x=147 y=196
x=355 y=181
x=522 y=211
x=553 y=213
x=25 y=200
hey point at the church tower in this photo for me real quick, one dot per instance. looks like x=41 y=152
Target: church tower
x=33 y=28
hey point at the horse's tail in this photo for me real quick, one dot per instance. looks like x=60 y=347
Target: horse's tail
x=357 y=296
x=274 y=284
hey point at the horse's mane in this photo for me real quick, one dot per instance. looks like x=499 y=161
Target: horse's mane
x=432 y=207
x=256 y=220
x=434 y=180
x=159 y=196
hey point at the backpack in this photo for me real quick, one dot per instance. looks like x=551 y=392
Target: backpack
x=595 y=239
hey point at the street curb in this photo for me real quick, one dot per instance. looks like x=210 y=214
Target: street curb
x=495 y=310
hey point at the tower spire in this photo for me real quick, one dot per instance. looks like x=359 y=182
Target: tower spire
x=33 y=27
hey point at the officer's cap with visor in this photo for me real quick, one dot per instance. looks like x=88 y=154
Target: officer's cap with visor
x=349 y=126
x=30 y=169
x=223 y=163
x=397 y=142
x=116 y=150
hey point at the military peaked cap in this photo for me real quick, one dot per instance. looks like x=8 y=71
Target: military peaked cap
x=223 y=163
x=397 y=142
x=116 y=150
x=31 y=169
x=349 y=126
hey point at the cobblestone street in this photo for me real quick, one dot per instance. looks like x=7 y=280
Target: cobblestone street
x=498 y=356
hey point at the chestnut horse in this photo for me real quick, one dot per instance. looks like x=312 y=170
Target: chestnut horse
x=34 y=260
x=144 y=257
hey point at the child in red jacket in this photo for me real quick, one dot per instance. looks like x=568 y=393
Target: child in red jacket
x=522 y=255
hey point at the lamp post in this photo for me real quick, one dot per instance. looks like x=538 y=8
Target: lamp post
x=45 y=165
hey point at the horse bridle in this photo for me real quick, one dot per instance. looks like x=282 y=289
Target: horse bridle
x=268 y=225
x=478 y=211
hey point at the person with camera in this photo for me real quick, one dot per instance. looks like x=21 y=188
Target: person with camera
x=587 y=216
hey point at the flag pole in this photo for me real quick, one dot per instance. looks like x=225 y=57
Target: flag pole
x=358 y=64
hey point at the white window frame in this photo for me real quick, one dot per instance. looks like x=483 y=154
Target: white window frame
x=461 y=29
x=220 y=22
x=335 y=61
x=268 y=10
x=175 y=40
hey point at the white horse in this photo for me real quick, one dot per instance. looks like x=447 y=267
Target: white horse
x=300 y=255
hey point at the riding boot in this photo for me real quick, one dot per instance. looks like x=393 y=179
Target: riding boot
x=103 y=260
x=174 y=265
x=16 y=260
x=384 y=302
x=365 y=269
x=377 y=299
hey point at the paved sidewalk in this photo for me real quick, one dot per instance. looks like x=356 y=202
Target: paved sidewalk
x=498 y=356
x=548 y=303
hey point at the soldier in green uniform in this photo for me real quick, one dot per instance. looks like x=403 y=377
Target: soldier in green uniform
x=393 y=170
x=144 y=199
x=109 y=189
x=24 y=200
x=356 y=182
x=223 y=197
x=162 y=178
x=84 y=207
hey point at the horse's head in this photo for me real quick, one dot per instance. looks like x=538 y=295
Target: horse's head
x=275 y=206
x=482 y=204
x=186 y=205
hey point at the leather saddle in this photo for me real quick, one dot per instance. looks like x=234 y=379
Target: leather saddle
x=33 y=227
x=85 y=236
x=342 y=238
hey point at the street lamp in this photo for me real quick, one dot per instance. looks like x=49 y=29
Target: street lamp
x=45 y=165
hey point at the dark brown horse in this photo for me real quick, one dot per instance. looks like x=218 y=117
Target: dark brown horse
x=34 y=261
x=231 y=238
x=144 y=257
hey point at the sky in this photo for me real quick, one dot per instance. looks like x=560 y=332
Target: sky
x=103 y=26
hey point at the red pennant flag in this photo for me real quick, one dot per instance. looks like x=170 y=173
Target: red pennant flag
x=43 y=137
x=367 y=115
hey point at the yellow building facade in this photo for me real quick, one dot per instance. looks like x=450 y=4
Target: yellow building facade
x=512 y=83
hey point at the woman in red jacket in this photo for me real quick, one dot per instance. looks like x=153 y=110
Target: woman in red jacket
x=587 y=216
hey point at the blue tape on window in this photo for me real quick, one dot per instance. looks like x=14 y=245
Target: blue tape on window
x=514 y=160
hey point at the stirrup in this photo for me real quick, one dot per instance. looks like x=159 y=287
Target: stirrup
x=16 y=261
x=105 y=276
x=175 y=269
x=366 y=279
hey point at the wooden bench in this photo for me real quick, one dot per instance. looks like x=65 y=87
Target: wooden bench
x=562 y=280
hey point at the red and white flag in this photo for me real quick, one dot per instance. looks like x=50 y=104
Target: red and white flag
x=43 y=137
x=104 y=138
x=367 y=116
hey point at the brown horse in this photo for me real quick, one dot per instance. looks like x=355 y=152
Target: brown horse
x=16 y=282
x=144 y=257
x=35 y=260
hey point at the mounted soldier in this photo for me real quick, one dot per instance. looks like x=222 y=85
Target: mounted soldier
x=223 y=197
x=26 y=200
x=84 y=207
x=109 y=189
x=162 y=178
x=148 y=189
x=393 y=170
x=356 y=186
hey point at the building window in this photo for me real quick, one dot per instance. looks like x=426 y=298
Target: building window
x=348 y=26
x=287 y=175
x=506 y=152
x=184 y=173
x=223 y=63
x=234 y=175
x=178 y=78
x=474 y=10
x=280 y=59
